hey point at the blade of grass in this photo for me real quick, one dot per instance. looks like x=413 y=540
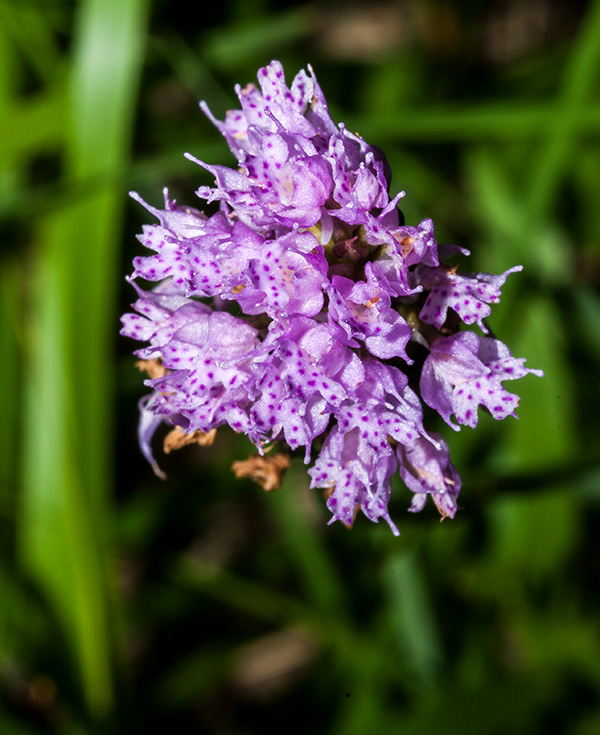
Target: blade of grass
x=413 y=623
x=242 y=594
x=489 y=122
x=32 y=29
x=265 y=603
x=67 y=455
x=561 y=128
x=503 y=216
x=32 y=125
x=11 y=376
x=8 y=66
x=232 y=46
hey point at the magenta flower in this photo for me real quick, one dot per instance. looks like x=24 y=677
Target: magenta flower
x=295 y=313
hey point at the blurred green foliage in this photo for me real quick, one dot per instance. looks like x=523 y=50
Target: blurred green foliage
x=201 y=604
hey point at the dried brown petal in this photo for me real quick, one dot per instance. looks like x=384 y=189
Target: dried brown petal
x=267 y=472
x=177 y=438
x=154 y=368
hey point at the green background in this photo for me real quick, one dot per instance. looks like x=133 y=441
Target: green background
x=201 y=604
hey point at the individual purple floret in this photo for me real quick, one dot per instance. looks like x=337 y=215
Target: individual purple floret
x=467 y=295
x=303 y=313
x=465 y=371
x=426 y=470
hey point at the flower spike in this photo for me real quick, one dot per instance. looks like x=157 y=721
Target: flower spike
x=296 y=311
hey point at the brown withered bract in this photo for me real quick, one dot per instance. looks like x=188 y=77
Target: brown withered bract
x=153 y=368
x=266 y=471
x=177 y=438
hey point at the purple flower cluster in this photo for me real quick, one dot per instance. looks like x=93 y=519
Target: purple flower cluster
x=304 y=312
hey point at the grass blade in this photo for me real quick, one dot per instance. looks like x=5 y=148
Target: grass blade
x=69 y=374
